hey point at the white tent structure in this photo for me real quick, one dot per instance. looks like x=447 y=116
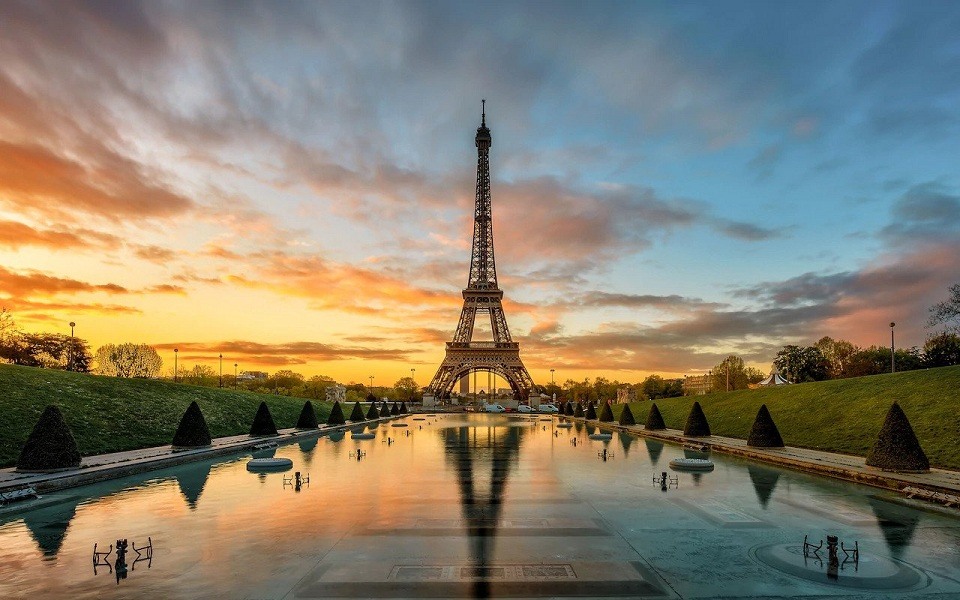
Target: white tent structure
x=773 y=379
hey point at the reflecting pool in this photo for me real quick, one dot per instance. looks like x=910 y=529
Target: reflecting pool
x=477 y=506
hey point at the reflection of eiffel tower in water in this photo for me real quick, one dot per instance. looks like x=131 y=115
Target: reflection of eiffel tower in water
x=468 y=452
x=482 y=295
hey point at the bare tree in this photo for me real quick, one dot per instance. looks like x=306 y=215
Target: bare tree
x=947 y=312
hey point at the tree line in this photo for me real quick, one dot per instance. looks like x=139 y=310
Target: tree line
x=47 y=350
x=837 y=359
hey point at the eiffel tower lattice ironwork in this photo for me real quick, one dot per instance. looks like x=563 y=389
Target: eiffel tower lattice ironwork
x=482 y=296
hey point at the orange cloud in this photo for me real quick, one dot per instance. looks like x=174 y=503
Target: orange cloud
x=34 y=283
x=30 y=310
x=14 y=234
x=337 y=286
x=34 y=178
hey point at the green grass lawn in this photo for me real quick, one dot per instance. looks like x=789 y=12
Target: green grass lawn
x=107 y=414
x=842 y=415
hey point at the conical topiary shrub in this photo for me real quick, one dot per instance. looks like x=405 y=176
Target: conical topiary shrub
x=308 y=417
x=373 y=412
x=263 y=422
x=357 y=413
x=336 y=415
x=403 y=408
x=606 y=413
x=897 y=447
x=697 y=425
x=568 y=409
x=626 y=416
x=395 y=409
x=591 y=413
x=578 y=412
x=764 y=433
x=192 y=432
x=655 y=419
x=384 y=410
x=50 y=445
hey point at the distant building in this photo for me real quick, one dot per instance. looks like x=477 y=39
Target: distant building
x=697 y=385
x=626 y=395
x=336 y=393
x=253 y=375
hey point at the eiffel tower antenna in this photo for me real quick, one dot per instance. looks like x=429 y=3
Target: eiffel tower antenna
x=482 y=296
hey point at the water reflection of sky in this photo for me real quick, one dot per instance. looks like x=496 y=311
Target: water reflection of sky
x=219 y=530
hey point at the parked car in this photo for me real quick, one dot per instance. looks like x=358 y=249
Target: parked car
x=493 y=408
x=525 y=408
x=548 y=408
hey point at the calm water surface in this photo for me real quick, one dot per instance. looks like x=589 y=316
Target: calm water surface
x=479 y=506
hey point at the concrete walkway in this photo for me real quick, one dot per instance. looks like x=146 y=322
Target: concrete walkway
x=840 y=466
x=120 y=464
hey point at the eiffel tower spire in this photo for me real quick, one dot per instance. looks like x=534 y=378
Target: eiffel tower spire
x=483 y=268
x=482 y=296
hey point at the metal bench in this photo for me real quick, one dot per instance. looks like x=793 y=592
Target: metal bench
x=26 y=493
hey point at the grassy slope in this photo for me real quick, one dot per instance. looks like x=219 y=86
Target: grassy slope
x=843 y=415
x=107 y=414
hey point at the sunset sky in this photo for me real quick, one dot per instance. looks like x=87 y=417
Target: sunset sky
x=292 y=184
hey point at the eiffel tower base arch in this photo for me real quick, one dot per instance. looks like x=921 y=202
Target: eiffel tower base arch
x=502 y=359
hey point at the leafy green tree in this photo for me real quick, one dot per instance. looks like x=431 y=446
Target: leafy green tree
x=653 y=387
x=754 y=375
x=838 y=354
x=800 y=364
x=200 y=375
x=128 y=360
x=52 y=351
x=406 y=388
x=316 y=387
x=732 y=370
x=285 y=378
x=942 y=350
x=673 y=388
x=579 y=391
x=875 y=360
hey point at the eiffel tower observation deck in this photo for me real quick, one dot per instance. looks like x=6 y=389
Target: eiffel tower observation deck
x=482 y=296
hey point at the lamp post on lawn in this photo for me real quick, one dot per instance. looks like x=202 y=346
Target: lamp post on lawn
x=70 y=354
x=371 y=384
x=176 y=351
x=893 y=358
x=234 y=375
x=221 y=370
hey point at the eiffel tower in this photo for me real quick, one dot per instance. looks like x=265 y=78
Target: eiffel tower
x=482 y=295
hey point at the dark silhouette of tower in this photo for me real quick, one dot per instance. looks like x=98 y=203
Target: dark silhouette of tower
x=482 y=296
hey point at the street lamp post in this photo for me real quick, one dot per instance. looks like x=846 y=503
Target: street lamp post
x=551 y=376
x=221 y=370
x=176 y=351
x=371 y=384
x=70 y=355
x=893 y=359
x=234 y=375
